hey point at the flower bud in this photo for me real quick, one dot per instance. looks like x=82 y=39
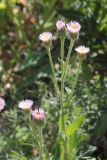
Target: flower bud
x=61 y=26
x=73 y=28
x=26 y=105
x=2 y=104
x=38 y=116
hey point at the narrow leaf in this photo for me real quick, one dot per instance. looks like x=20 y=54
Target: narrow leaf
x=75 y=125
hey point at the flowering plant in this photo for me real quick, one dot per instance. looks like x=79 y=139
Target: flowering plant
x=36 y=117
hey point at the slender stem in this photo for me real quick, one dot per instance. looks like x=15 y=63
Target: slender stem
x=62 y=80
x=68 y=57
x=53 y=71
x=41 y=144
x=64 y=72
x=62 y=156
x=32 y=128
x=64 y=143
x=74 y=82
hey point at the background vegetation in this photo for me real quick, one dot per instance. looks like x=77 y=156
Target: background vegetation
x=25 y=73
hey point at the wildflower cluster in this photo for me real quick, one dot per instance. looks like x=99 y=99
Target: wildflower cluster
x=36 y=120
x=70 y=30
x=73 y=29
x=38 y=115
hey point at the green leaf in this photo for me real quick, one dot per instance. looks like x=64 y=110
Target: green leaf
x=75 y=125
x=60 y=121
x=72 y=141
x=62 y=153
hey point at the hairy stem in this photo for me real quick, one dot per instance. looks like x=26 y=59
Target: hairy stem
x=74 y=83
x=41 y=144
x=68 y=57
x=64 y=143
x=53 y=71
x=32 y=128
x=62 y=81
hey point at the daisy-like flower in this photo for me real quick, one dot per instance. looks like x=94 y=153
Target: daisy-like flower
x=2 y=103
x=82 y=50
x=38 y=115
x=74 y=27
x=46 y=37
x=60 y=25
x=25 y=105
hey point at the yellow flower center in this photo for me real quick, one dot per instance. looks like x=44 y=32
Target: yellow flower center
x=46 y=37
x=81 y=50
x=74 y=27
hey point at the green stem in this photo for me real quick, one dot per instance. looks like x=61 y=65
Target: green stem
x=62 y=81
x=32 y=128
x=64 y=72
x=41 y=144
x=64 y=143
x=74 y=83
x=68 y=57
x=53 y=71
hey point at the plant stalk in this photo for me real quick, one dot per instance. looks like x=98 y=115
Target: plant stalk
x=68 y=57
x=64 y=143
x=74 y=83
x=53 y=71
x=41 y=144
x=32 y=128
x=62 y=81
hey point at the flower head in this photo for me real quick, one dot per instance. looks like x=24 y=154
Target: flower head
x=60 y=25
x=25 y=104
x=46 y=37
x=82 y=50
x=73 y=27
x=2 y=103
x=38 y=115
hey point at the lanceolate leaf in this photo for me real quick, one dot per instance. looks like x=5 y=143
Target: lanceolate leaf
x=75 y=125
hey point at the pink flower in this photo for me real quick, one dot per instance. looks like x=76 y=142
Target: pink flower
x=46 y=37
x=60 y=25
x=2 y=103
x=25 y=104
x=82 y=50
x=38 y=114
x=73 y=27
